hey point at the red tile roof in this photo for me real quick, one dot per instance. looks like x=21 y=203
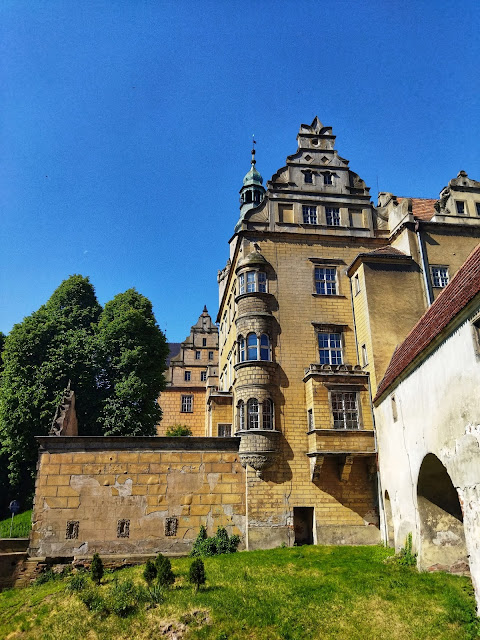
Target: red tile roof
x=463 y=287
x=422 y=208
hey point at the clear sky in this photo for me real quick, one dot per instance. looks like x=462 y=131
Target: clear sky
x=126 y=127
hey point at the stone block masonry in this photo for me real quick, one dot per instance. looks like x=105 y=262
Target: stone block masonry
x=134 y=496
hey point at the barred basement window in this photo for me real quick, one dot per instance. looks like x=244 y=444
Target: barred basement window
x=171 y=525
x=123 y=529
x=72 y=529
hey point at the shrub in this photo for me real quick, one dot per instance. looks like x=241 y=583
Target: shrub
x=218 y=544
x=96 y=569
x=196 y=573
x=77 y=583
x=93 y=600
x=165 y=575
x=45 y=576
x=178 y=430
x=124 y=597
x=150 y=572
x=156 y=594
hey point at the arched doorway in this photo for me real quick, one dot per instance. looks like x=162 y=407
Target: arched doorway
x=442 y=538
x=390 y=532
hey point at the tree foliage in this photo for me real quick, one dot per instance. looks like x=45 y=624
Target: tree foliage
x=196 y=573
x=96 y=569
x=52 y=346
x=114 y=358
x=134 y=351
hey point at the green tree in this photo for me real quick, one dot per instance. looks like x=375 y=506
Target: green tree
x=96 y=569
x=196 y=573
x=150 y=572
x=134 y=352
x=50 y=347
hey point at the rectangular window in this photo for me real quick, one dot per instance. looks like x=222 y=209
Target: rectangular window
x=203 y=376
x=394 y=409
x=224 y=430
x=241 y=284
x=439 y=276
x=187 y=376
x=309 y=215
x=477 y=207
x=250 y=281
x=308 y=177
x=364 y=355
x=187 y=404
x=333 y=216
x=262 y=282
x=197 y=355
x=310 y=419
x=330 y=348
x=210 y=355
x=345 y=410
x=356 y=282
x=460 y=204
x=204 y=340
x=327 y=178
x=326 y=281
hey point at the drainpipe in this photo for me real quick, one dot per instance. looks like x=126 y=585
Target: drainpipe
x=424 y=262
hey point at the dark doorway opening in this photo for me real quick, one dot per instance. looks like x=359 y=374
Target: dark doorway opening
x=303 y=525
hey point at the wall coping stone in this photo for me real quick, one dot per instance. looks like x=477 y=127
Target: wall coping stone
x=136 y=443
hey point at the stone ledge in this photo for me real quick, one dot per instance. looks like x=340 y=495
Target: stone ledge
x=136 y=443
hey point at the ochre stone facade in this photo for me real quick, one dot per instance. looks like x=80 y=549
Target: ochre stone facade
x=319 y=288
x=151 y=483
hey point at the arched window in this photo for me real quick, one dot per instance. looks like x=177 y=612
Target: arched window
x=241 y=416
x=252 y=414
x=241 y=349
x=267 y=411
x=252 y=347
x=264 y=347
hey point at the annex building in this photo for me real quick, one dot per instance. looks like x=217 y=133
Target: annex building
x=319 y=289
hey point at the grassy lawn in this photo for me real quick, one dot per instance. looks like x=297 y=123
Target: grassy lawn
x=22 y=523
x=301 y=593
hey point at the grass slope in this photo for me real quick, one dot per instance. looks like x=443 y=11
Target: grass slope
x=303 y=593
x=22 y=523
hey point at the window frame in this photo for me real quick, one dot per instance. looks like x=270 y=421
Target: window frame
x=254 y=344
x=329 y=348
x=443 y=280
x=339 y=412
x=461 y=204
x=224 y=435
x=255 y=415
x=198 y=355
x=252 y=281
x=203 y=376
x=309 y=214
x=186 y=403
x=327 y=281
x=187 y=376
x=332 y=216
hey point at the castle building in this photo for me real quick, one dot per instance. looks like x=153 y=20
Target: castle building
x=319 y=288
x=189 y=365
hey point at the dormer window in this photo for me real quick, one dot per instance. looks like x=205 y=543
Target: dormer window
x=327 y=178
x=308 y=177
x=460 y=204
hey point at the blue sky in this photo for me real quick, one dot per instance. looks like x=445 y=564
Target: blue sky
x=126 y=127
